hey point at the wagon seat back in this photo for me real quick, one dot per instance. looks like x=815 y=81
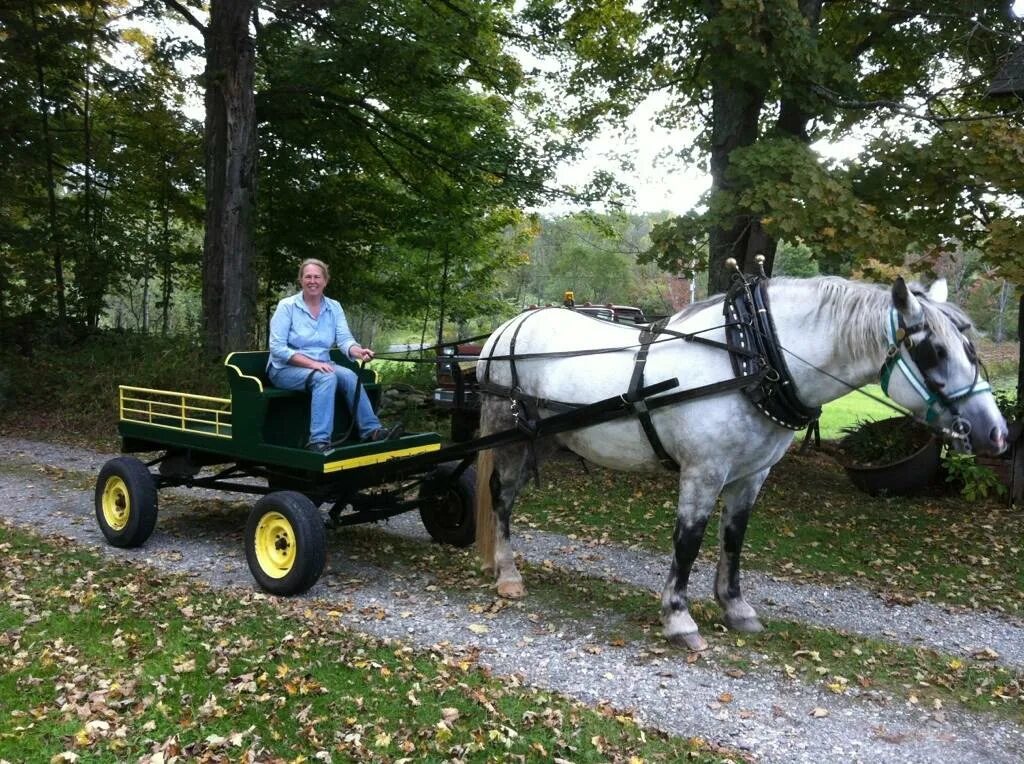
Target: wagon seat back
x=262 y=413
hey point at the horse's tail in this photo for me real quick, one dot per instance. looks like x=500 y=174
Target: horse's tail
x=485 y=526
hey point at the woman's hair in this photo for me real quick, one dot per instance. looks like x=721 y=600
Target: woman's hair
x=319 y=264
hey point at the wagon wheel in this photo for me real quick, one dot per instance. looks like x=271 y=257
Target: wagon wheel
x=285 y=543
x=126 y=502
x=447 y=506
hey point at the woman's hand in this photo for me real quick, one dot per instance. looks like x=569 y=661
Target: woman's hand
x=358 y=353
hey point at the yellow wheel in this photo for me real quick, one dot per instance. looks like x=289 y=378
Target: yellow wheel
x=116 y=503
x=126 y=502
x=275 y=545
x=285 y=543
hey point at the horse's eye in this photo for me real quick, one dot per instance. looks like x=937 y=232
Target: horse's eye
x=940 y=353
x=926 y=355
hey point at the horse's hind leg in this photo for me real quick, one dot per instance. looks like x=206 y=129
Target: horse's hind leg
x=739 y=500
x=509 y=476
x=697 y=494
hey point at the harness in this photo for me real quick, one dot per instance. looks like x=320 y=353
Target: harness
x=749 y=325
x=758 y=363
x=899 y=336
x=640 y=399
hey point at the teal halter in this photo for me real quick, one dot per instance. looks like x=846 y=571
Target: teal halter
x=898 y=335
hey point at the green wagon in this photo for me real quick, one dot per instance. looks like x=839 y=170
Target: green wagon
x=254 y=442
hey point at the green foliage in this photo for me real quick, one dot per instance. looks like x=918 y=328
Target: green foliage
x=795 y=260
x=976 y=481
x=764 y=81
x=69 y=389
x=104 y=165
x=595 y=256
x=389 y=149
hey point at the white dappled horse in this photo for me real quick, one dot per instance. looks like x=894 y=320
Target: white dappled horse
x=831 y=332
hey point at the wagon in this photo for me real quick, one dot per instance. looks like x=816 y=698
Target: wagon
x=254 y=442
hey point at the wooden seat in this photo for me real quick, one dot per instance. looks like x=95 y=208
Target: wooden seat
x=268 y=414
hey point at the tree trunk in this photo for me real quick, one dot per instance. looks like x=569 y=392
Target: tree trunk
x=51 y=184
x=736 y=111
x=229 y=285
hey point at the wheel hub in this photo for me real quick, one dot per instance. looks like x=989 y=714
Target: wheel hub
x=116 y=505
x=275 y=545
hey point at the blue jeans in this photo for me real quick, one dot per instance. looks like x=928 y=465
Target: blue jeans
x=323 y=387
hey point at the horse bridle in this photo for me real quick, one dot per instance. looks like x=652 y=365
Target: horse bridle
x=924 y=357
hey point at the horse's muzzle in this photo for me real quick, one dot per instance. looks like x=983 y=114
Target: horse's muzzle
x=998 y=438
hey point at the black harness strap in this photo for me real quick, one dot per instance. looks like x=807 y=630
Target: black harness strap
x=643 y=413
x=750 y=326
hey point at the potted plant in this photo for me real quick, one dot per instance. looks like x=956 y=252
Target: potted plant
x=897 y=456
x=980 y=474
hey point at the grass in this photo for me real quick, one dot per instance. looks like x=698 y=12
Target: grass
x=107 y=662
x=850 y=410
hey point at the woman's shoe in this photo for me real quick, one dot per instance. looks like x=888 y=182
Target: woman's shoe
x=382 y=433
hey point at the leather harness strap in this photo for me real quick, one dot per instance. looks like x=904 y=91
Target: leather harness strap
x=643 y=413
x=751 y=327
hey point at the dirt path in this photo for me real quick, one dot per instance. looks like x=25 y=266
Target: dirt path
x=47 y=488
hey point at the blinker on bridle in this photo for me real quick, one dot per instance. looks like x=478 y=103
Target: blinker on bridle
x=924 y=356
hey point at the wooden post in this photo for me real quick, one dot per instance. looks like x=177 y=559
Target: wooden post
x=485 y=524
x=1017 y=469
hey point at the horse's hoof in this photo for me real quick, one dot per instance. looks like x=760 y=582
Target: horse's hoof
x=692 y=641
x=512 y=590
x=744 y=625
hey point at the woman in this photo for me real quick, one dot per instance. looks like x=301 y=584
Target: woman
x=302 y=331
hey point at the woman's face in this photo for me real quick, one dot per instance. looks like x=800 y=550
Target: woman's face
x=313 y=281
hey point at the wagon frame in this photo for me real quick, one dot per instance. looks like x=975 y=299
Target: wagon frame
x=255 y=440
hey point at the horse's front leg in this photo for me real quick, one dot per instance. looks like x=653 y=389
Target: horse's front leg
x=739 y=498
x=697 y=494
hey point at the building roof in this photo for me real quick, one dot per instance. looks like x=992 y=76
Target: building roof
x=1010 y=80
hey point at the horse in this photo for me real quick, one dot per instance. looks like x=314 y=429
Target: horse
x=833 y=334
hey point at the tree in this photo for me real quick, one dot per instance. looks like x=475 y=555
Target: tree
x=765 y=79
x=390 y=148
x=229 y=146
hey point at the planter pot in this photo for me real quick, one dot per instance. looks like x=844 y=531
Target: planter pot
x=914 y=461
x=905 y=477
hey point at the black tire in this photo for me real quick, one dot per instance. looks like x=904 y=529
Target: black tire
x=285 y=543
x=448 y=507
x=126 y=502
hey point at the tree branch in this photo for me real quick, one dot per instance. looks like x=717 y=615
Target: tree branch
x=174 y=5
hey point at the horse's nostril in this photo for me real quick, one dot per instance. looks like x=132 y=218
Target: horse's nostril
x=998 y=437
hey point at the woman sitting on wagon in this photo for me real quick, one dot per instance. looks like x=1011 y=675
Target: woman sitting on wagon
x=303 y=329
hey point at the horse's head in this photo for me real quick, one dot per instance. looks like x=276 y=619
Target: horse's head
x=933 y=369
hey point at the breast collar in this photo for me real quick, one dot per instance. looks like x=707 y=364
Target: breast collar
x=749 y=325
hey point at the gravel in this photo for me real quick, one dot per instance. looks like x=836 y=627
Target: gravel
x=769 y=716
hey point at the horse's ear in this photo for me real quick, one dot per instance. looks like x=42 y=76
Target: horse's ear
x=905 y=302
x=939 y=291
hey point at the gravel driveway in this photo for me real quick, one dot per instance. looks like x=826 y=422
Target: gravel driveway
x=768 y=715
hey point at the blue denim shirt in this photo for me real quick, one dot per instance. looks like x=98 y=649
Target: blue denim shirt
x=294 y=330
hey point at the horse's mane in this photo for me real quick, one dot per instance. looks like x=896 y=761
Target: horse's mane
x=858 y=310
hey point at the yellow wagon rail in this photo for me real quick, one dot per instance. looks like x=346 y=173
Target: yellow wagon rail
x=182 y=412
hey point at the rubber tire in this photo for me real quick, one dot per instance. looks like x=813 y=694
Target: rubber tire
x=136 y=496
x=448 y=507
x=306 y=530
